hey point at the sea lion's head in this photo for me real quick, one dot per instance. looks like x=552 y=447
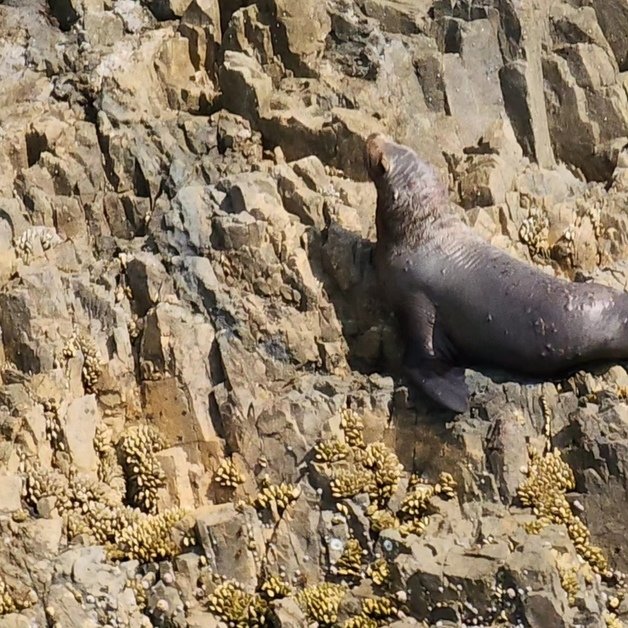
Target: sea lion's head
x=408 y=187
x=394 y=165
x=378 y=157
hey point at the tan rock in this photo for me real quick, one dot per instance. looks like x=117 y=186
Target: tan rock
x=45 y=534
x=247 y=32
x=612 y=16
x=312 y=171
x=398 y=16
x=297 y=198
x=590 y=65
x=474 y=94
x=523 y=87
x=81 y=418
x=256 y=194
x=187 y=88
x=300 y=131
x=246 y=89
x=180 y=474
x=177 y=342
x=10 y=493
x=486 y=181
x=305 y=25
x=200 y=25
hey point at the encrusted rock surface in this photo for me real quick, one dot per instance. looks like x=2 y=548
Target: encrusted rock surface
x=202 y=421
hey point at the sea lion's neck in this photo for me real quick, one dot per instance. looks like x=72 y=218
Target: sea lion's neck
x=409 y=219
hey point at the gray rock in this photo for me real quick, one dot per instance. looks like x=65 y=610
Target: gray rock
x=167 y=9
x=301 y=31
x=613 y=19
x=471 y=79
x=218 y=526
x=256 y=194
x=67 y=12
x=288 y=614
x=66 y=609
x=103 y=28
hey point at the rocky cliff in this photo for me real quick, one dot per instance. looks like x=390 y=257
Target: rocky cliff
x=202 y=421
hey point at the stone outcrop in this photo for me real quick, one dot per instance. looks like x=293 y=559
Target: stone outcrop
x=202 y=417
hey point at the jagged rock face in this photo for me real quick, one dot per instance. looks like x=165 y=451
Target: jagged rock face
x=188 y=308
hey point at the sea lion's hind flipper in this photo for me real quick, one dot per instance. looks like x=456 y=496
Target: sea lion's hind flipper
x=442 y=382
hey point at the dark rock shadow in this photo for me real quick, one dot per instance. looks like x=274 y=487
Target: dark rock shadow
x=342 y=261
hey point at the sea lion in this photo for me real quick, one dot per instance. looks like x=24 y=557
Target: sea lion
x=462 y=302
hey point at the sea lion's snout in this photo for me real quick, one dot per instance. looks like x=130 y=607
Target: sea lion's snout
x=376 y=161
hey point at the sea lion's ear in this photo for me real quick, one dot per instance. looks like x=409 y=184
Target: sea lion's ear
x=384 y=163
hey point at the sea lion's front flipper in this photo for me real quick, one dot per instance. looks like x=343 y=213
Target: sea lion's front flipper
x=428 y=356
x=442 y=382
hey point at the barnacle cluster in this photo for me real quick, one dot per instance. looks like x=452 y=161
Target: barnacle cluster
x=570 y=584
x=385 y=468
x=566 y=245
x=371 y=469
x=360 y=621
x=534 y=232
x=40 y=483
x=273 y=588
x=148 y=538
x=54 y=429
x=378 y=571
x=321 y=602
x=92 y=364
x=228 y=475
x=350 y=482
x=446 y=486
x=350 y=562
x=382 y=519
x=99 y=522
x=352 y=427
x=110 y=472
x=27 y=243
x=141 y=595
x=237 y=607
x=145 y=477
x=591 y=204
x=415 y=503
x=90 y=507
x=413 y=526
x=12 y=601
x=549 y=477
x=380 y=608
x=331 y=450
x=414 y=506
x=375 y=470
x=82 y=502
x=276 y=497
x=611 y=620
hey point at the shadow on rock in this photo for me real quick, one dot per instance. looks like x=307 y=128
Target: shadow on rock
x=342 y=261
